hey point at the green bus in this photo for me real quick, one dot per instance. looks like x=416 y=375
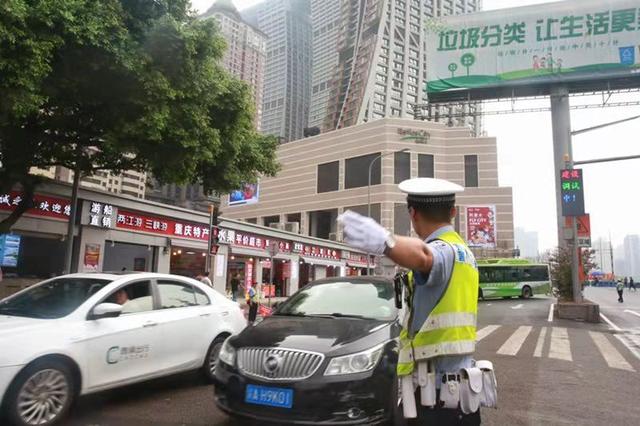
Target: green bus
x=512 y=278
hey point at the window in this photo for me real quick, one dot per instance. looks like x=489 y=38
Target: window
x=134 y=297
x=401 y=166
x=535 y=273
x=201 y=298
x=471 y=171
x=175 y=294
x=357 y=171
x=328 y=177
x=401 y=220
x=364 y=210
x=425 y=166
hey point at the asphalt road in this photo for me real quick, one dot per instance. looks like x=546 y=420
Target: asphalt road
x=549 y=373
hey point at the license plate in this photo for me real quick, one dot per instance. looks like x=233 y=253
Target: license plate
x=272 y=397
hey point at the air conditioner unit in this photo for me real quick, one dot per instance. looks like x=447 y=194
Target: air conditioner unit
x=292 y=227
x=333 y=236
x=277 y=225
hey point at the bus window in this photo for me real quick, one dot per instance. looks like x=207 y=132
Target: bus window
x=511 y=274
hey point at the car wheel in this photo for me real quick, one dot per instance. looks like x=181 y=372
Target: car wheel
x=209 y=367
x=41 y=394
x=526 y=292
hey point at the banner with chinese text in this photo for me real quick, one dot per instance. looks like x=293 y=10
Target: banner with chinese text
x=568 y=41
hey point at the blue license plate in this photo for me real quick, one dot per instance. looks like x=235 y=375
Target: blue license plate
x=272 y=397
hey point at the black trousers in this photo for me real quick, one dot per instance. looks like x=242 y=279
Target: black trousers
x=620 y=299
x=442 y=416
x=253 y=311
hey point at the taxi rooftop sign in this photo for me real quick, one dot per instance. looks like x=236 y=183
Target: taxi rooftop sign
x=572 y=191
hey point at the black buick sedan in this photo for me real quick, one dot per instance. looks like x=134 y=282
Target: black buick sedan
x=327 y=356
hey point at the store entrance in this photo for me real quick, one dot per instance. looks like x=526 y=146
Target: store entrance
x=119 y=257
x=188 y=262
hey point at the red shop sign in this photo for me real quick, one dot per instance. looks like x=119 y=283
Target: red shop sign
x=322 y=252
x=161 y=225
x=242 y=239
x=44 y=205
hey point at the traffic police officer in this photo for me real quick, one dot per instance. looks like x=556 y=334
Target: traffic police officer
x=439 y=332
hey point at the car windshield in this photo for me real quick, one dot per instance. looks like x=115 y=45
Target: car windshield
x=54 y=299
x=371 y=300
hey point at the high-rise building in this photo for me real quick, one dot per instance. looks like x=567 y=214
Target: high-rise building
x=287 y=80
x=246 y=49
x=632 y=255
x=527 y=242
x=190 y=197
x=381 y=62
x=326 y=21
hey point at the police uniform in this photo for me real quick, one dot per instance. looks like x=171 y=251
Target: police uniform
x=439 y=380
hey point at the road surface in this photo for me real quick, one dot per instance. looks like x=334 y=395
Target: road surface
x=549 y=372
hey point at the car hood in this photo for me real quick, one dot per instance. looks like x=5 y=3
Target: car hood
x=330 y=336
x=12 y=326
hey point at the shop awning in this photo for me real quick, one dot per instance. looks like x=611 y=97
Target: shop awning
x=323 y=262
x=358 y=264
x=198 y=245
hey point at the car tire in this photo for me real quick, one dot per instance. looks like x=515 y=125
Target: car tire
x=209 y=367
x=526 y=292
x=45 y=389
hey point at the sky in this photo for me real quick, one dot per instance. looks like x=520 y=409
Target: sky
x=525 y=158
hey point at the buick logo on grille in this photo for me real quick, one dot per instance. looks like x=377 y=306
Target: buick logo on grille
x=271 y=364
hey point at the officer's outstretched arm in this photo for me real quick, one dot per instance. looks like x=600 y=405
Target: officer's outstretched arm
x=411 y=253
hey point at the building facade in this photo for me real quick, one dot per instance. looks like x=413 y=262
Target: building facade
x=115 y=233
x=287 y=79
x=192 y=197
x=380 y=63
x=324 y=175
x=527 y=243
x=632 y=256
x=130 y=182
x=246 y=49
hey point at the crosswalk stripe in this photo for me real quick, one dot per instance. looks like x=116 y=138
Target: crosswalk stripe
x=560 y=346
x=631 y=342
x=484 y=332
x=514 y=343
x=632 y=312
x=517 y=306
x=540 y=343
x=609 y=352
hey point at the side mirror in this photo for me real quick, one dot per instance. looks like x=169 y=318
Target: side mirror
x=106 y=310
x=275 y=305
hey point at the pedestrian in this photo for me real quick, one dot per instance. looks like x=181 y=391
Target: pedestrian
x=620 y=288
x=632 y=284
x=204 y=279
x=252 y=301
x=439 y=332
x=626 y=282
x=235 y=284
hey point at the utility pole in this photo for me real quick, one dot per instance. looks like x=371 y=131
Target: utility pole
x=613 y=270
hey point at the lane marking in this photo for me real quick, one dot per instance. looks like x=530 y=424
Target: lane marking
x=610 y=354
x=543 y=333
x=517 y=306
x=632 y=312
x=488 y=304
x=630 y=342
x=550 y=317
x=560 y=346
x=514 y=343
x=484 y=332
x=608 y=321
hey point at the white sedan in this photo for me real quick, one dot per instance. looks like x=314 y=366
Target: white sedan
x=83 y=333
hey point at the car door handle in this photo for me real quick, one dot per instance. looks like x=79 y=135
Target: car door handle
x=205 y=315
x=150 y=324
x=225 y=313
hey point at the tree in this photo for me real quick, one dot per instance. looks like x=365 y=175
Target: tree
x=117 y=85
x=560 y=266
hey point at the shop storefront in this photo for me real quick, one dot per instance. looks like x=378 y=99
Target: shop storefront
x=357 y=263
x=34 y=250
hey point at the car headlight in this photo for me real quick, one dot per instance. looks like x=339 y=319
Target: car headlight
x=227 y=353
x=355 y=363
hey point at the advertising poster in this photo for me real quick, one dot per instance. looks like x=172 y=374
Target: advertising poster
x=9 y=250
x=248 y=194
x=481 y=226
x=562 y=42
x=91 y=257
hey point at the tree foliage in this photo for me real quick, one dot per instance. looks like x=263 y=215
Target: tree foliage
x=117 y=85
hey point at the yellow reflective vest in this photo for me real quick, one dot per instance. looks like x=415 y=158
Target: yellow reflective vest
x=450 y=328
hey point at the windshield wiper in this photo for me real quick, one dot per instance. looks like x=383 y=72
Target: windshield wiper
x=289 y=314
x=339 y=315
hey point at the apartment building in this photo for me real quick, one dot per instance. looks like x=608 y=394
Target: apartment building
x=324 y=175
x=287 y=79
x=379 y=65
x=246 y=49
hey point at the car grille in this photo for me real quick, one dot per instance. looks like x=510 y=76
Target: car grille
x=289 y=364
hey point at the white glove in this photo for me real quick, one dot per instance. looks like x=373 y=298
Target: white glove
x=363 y=232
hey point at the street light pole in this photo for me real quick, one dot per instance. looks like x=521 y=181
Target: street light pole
x=378 y=157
